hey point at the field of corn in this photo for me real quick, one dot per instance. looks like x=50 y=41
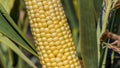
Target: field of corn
x=59 y=33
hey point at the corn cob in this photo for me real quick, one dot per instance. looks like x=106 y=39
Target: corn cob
x=51 y=34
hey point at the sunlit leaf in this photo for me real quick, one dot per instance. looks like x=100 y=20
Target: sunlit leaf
x=8 y=4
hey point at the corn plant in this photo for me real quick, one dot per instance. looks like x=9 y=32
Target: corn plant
x=65 y=33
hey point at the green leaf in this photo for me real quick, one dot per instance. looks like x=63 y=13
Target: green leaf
x=10 y=29
x=10 y=63
x=98 y=6
x=6 y=56
x=20 y=63
x=12 y=46
x=88 y=38
x=2 y=59
x=8 y=4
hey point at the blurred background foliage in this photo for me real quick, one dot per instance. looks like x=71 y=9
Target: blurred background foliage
x=16 y=43
x=8 y=5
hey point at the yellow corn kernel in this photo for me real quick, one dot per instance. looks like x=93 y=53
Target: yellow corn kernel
x=52 y=34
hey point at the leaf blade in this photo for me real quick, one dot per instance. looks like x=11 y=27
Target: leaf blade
x=12 y=46
x=13 y=32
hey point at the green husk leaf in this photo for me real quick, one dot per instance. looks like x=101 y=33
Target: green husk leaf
x=88 y=38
